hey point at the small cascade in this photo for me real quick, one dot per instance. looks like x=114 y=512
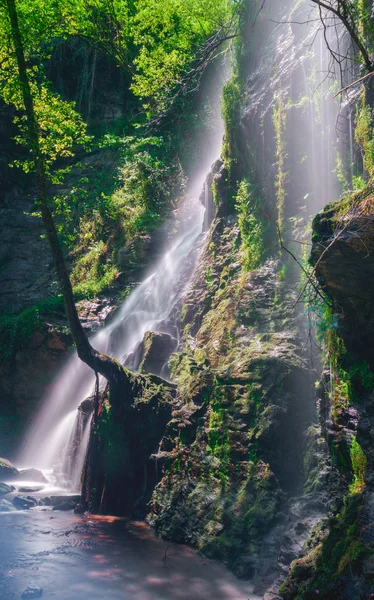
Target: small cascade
x=73 y=455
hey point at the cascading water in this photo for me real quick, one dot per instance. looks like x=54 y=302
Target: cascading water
x=58 y=438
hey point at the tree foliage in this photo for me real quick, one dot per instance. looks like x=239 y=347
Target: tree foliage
x=175 y=38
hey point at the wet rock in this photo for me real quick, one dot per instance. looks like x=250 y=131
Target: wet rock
x=65 y=506
x=30 y=490
x=32 y=475
x=55 y=342
x=152 y=354
x=135 y=254
x=126 y=476
x=95 y=313
x=5 y=489
x=58 y=500
x=32 y=592
x=87 y=406
x=6 y=506
x=206 y=197
x=24 y=503
x=7 y=470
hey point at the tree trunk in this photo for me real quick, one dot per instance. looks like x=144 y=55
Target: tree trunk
x=100 y=363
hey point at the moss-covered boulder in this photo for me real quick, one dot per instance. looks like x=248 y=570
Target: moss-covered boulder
x=152 y=354
x=127 y=428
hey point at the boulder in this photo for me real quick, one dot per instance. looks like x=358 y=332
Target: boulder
x=65 y=506
x=7 y=470
x=32 y=591
x=31 y=475
x=5 y=489
x=30 y=490
x=24 y=502
x=152 y=354
x=86 y=408
x=58 y=500
x=6 y=506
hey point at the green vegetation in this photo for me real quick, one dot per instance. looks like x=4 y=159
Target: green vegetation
x=170 y=37
x=103 y=205
x=364 y=135
x=16 y=330
x=251 y=225
x=279 y=122
x=359 y=466
x=340 y=550
x=231 y=110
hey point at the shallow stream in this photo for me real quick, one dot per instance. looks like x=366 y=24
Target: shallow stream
x=72 y=557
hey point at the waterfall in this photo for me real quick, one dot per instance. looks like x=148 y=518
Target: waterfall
x=57 y=440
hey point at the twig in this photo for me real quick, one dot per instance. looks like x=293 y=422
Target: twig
x=165 y=556
x=354 y=83
x=283 y=247
x=258 y=13
x=318 y=261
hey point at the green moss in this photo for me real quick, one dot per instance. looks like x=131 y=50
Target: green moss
x=251 y=226
x=339 y=551
x=16 y=330
x=231 y=112
x=279 y=122
x=113 y=440
x=364 y=135
x=359 y=466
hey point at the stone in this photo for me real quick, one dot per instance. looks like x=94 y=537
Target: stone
x=32 y=475
x=32 y=591
x=24 y=503
x=65 y=506
x=7 y=469
x=67 y=498
x=5 y=489
x=87 y=408
x=56 y=343
x=152 y=354
x=6 y=506
x=30 y=490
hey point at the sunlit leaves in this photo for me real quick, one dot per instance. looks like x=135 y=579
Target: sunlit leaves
x=61 y=128
x=168 y=34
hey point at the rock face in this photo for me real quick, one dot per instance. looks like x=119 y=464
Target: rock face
x=233 y=451
x=346 y=269
x=152 y=354
x=338 y=559
x=26 y=274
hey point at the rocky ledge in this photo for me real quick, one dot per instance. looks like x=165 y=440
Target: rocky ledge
x=343 y=257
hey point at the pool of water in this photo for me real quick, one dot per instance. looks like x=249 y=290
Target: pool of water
x=72 y=557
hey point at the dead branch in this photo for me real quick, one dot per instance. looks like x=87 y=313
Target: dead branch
x=354 y=83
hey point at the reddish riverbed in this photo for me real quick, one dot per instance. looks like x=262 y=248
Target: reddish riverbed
x=101 y=558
